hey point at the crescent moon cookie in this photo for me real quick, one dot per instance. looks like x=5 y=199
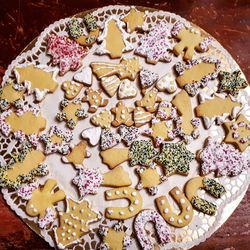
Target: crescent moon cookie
x=123 y=213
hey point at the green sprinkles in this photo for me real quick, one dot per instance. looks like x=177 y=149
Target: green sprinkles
x=231 y=83
x=75 y=28
x=90 y=22
x=204 y=206
x=175 y=158
x=213 y=187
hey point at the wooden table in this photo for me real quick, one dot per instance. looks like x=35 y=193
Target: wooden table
x=227 y=20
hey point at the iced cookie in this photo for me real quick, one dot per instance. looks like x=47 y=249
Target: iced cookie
x=77 y=154
x=149 y=100
x=123 y=213
x=92 y=134
x=189 y=40
x=175 y=158
x=147 y=78
x=65 y=53
x=71 y=89
x=141 y=116
x=211 y=186
x=95 y=99
x=109 y=139
x=128 y=134
x=127 y=68
x=71 y=112
x=127 y=90
x=84 y=76
x=166 y=111
x=123 y=115
x=156 y=44
x=167 y=83
x=166 y=210
x=113 y=31
x=103 y=119
x=110 y=84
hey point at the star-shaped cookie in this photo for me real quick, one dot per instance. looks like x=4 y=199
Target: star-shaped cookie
x=238 y=132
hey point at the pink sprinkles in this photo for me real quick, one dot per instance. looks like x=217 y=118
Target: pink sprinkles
x=49 y=218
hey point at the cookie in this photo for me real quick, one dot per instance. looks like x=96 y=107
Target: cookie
x=196 y=74
x=141 y=116
x=175 y=158
x=142 y=153
x=26 y=189
x=48 y=219
x=37 y=79
x=222 y=158
x=156 y=44
x=127 y=68
x=92 y=134
x=127 y=90
x=103 y=119
x=113 y=31
x=238 y=132
x=231 y=82
x=95 y=99
x=166 y=210
x=71 y=89
x=115 y=237
x=149 y=100
x=189 y=40
x=147 y=78
x=84 y=76
x=161 y=228
x=166 y=111
x=109 y=139
x=128 y=134
x=43 y=198
x=71 y=112
x=134 y=19
x=57 y=140
x=121 y=155
x=123 y=213
x=65 y=53
x=149 y=179
x=167 y=83
x=74 y=222
x=11 y=94
x=215 y=108
x=77 y=154
x=110 y=84
x=211 y=186
x=22 y=168
x=123 y=115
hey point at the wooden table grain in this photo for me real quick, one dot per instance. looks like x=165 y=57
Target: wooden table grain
x=227 y=20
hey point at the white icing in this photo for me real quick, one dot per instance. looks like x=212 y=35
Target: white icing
x=93 y=134
x=84 y=76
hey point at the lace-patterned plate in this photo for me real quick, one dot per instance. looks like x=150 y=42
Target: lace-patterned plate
x=202 y=226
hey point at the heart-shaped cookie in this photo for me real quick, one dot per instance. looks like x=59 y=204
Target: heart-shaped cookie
x=127 y=90
x=92 y=134
x=84 y=76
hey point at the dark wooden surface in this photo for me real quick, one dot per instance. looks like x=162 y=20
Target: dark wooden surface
x=227 y=20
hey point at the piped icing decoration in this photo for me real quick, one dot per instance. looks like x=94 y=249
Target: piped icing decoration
x=223 y=159
x=175 y=158
x=196 y=74
x=123 y=115
x=113 y=31
x=71 y=112
x=110 y=84
x=16 y=123
x=43 y=198
x=77 y=154
x=147 y=78
x=127 y=90
x=65 y=53
x=141 y=116
x=231 y=82
x=142 y=153
x=71 y=89
x=211 y=186
x=84 y=76
x=166 y=210
x=214 y=108
x=94 y=99
x=149 y=179
x=109 y=139
x=134 y=19
x=123 y=213
x=92 y=134
x=149 y=100
x=128 y=134
x=167 y=83
x=11 y=94
x=49 y=217
x=189 y=40
x=238 y=132
x=161 y=228
x=156 y=44
x=127 y=68
x=103 y=119
x=74 y=223
x=38 y=80
x=115 y=237
x=57 y=140
x=23 y=168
